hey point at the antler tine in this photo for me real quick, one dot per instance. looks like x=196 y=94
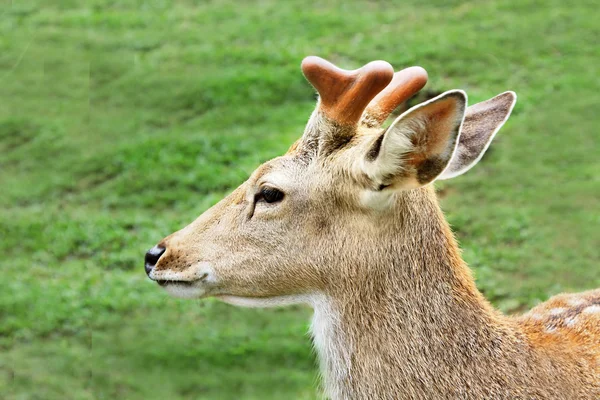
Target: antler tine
x=344 y=95
x=403 y=86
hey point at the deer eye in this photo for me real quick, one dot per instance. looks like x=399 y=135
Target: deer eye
x=269 y=195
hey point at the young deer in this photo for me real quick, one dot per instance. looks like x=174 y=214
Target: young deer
x=347 y=222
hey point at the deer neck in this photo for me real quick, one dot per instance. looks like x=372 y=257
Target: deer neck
x=414 y=308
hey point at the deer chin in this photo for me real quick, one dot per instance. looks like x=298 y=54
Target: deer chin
x=184 y=290
x=264 y=302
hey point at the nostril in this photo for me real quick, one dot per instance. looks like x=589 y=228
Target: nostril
x=152 y=257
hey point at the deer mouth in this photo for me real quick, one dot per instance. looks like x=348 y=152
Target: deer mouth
x=189 y=285
x=182 y=283
x=164 y=282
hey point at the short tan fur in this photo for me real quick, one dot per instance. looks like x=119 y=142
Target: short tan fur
x=348 y=222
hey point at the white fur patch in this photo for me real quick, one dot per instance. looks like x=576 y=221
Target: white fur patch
x=575 y=302
x=592 y=310
x=381 y=200
x=557 y=311
x=255 y=302
x=334 y=352
x=536 y=316
x=184 y=291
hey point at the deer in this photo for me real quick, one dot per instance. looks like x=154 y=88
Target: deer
x=348 y=222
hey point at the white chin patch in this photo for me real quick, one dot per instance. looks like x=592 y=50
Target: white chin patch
x=276 y=301
x=184 y=291
x=381 y=200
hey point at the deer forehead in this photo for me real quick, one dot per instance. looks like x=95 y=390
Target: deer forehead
x=292 y=171
x=281 y=173
x=280 y=170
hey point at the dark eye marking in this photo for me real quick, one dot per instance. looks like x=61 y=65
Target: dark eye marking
x=269 y=195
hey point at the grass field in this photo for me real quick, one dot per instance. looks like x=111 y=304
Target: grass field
x=121 y=121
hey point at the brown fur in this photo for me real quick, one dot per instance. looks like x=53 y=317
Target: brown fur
x=419 y=329
x=397 y=313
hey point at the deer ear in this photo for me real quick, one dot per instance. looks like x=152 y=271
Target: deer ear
x=482 y=122
x=418 y=145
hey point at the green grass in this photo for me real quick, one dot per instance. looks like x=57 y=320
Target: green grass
x=121 y=121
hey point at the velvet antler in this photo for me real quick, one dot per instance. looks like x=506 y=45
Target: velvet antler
x=402 y=87
x=344 y=95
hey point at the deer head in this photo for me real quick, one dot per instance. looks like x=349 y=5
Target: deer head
x=311 y=220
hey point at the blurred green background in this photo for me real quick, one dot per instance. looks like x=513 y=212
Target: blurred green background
x=121 y=121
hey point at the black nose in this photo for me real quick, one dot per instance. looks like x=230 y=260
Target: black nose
x=152 y=257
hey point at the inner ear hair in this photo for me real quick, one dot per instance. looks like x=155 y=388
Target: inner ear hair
x=417 y=147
